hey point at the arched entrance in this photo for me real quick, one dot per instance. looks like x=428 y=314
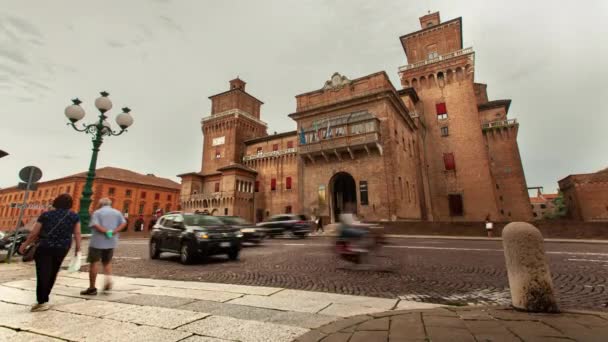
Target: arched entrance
x=343 y=195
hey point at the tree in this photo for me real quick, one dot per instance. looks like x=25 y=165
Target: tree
x=560 y=209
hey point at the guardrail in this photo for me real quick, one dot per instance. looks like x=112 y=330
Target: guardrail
x=498 y=124
x=269 y=154
x=340 y=142
x=450 y=55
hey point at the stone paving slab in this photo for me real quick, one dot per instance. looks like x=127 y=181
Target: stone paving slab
x=302 y=319
x=232 y=310
x=27 y=297
x=464 y=324
x=189 y=293
x=84 y=328
x=158 y=317
x=95 y=308
x=344 y=310
x=22 y=336
x=243 y=330
x=384 y=303
x=282 y=303
x=156 y=300
x=243 y=289
x=197 y=338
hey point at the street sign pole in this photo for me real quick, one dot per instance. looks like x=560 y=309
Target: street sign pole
x=30 y=175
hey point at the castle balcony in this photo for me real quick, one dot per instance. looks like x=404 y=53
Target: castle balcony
x=270 y=154
x=437 y=59
x=499 y=124
x=367 y=141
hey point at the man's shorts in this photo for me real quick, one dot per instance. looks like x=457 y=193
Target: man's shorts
x=96 y=254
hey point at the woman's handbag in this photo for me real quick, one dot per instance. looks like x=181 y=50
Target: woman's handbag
x=30 y=251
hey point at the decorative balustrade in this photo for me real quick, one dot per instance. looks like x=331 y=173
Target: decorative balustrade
x=499 y=124
x=232 y=112
x=341 y=142
x=207 y=196
x=450 y=55
x=269 y=154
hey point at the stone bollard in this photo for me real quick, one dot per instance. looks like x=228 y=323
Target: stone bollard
x=529 y=277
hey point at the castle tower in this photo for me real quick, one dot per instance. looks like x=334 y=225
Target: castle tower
x=235 y=117
x=441 y=72
x=461 y=169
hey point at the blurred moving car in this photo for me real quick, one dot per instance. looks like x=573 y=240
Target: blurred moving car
x=194 y=237
x=288 y=225
x=251 y=233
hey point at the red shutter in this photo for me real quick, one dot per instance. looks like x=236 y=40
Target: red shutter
x=441 y=108
x=288 y=183
x=275 y=147
x=290 y=144
x=273 y=184
x=448 y=161
x=259 y=149
x=257 y=186
x=217 y=187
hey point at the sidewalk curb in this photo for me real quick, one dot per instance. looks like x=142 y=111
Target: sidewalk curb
x=473 y=238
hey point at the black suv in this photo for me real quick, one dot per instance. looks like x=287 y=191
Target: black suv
x=193 y=237
x=251 y=233
x=289 y=225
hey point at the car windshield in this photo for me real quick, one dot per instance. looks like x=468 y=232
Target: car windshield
x=202 y=220
x=235 y=220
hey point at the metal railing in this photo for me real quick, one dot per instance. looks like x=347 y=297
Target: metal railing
x=447 y=56
x=498 y=124
x=269 y=154
x=232 y=112
x=340 y=142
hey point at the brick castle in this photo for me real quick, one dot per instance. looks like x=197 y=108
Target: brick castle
x=434 y=150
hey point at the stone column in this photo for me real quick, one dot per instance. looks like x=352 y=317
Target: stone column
x=529 y=277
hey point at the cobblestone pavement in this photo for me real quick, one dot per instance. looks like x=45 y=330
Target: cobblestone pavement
x=464 y=324
x=455 y=272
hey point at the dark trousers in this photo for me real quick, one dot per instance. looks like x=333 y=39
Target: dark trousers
x=48 y=262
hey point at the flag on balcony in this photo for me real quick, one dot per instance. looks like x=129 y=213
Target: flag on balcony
x=328 y=131
x=302 y=136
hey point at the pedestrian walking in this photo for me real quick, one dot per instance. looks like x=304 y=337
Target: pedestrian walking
x=139 y=224
x=489 y=226
x=106 y=223
x=320 y=224
x=53 y=230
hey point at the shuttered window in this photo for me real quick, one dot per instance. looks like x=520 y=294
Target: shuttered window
x=275 y=147
x=448 y=161
x=273 y=184
x=290 y=144
x=288 y=183
x=257 y=186
x=217 y=187
x=442 y=111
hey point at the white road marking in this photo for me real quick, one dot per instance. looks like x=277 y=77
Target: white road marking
x=587 y=260
x=298 y=244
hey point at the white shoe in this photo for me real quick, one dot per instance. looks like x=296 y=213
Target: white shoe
x=40 y=307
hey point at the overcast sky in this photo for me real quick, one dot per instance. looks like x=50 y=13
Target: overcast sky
x=164 y=58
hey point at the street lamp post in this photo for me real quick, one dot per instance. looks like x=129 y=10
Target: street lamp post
x=99 y=129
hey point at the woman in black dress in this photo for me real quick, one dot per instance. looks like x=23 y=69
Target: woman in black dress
x=54 y=230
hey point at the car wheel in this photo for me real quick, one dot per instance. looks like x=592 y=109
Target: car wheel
x=233 y=254
x=186 y=254
x=154 y=249
x=288 y=234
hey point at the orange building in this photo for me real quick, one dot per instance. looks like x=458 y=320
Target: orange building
x=132 y=193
